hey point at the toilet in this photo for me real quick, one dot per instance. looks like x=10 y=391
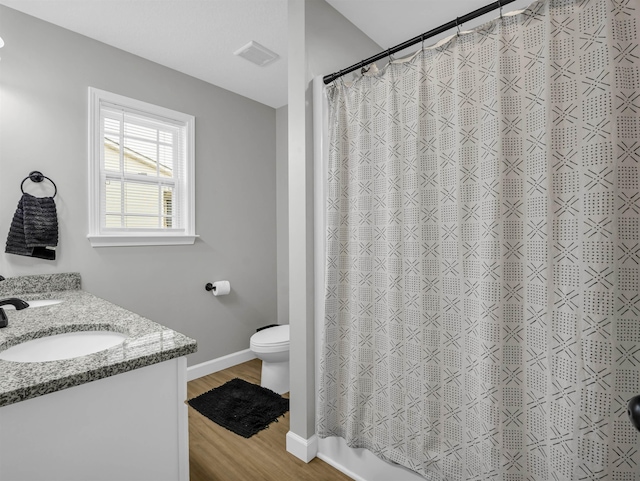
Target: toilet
x=271 y=345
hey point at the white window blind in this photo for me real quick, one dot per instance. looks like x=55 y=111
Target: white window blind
x=142 y=173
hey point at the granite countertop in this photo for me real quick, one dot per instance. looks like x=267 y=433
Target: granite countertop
x=147 y=343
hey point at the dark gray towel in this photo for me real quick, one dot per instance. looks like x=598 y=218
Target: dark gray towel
x=34 y=228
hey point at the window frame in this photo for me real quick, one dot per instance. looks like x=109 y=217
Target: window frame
x=103 y=237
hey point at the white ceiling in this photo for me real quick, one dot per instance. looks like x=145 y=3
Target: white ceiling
x=198 y=37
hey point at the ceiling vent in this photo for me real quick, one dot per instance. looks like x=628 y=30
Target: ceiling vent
x=256 y=53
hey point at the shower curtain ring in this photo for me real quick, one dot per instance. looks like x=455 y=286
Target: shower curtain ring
x=500 y=5
x=390 y=56
x=422 y=40
x=458 y=26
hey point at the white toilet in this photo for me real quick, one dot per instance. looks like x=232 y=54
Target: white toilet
x=272 y=346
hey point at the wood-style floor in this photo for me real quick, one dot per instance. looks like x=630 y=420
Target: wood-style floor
x=216 y=454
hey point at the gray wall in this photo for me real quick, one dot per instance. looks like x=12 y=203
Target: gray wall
x=44 y=74
x=332 y=41
x=282 y=199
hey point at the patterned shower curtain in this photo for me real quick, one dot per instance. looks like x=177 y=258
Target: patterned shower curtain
x=483 y=252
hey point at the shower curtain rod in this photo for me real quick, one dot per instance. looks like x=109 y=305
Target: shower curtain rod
x=420 y=38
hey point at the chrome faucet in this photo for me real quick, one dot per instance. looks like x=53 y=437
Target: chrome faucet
x=19 y=304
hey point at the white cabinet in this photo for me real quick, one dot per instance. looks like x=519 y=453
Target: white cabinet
x=129 y=427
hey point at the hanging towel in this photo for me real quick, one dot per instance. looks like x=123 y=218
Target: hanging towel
x=34 y=229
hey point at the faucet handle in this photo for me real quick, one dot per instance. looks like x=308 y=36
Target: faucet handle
x=19 y=304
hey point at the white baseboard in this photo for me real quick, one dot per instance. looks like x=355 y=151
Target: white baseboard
x=215 y=365
x=304 y=449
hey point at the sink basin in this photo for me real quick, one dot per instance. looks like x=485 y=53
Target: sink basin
x=62 y=346
x=36 y=303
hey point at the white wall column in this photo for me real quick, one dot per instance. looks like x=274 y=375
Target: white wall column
x=301 y=439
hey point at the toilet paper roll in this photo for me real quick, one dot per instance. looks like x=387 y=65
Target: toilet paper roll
x=221 y=288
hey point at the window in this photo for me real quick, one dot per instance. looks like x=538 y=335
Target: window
x=141 y=167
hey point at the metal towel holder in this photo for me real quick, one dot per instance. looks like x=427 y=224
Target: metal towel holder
x=37 y=176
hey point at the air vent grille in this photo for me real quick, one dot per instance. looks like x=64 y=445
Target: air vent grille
x=256 y=53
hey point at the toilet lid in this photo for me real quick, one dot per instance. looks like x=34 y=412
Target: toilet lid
x=272 y=337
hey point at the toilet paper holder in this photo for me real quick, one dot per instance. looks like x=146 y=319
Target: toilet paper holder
x=218 y=288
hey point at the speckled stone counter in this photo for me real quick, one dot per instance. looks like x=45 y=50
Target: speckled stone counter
x=147 y=343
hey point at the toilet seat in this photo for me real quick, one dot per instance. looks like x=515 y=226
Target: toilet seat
x=272 y=339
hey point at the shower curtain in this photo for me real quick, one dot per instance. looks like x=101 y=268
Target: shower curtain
x=483 y=251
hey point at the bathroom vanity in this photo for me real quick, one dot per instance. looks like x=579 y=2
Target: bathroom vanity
x=116 y=414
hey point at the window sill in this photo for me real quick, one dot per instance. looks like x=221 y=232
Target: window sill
x=141 y=240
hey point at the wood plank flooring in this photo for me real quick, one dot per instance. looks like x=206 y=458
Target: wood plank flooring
x=216 y=454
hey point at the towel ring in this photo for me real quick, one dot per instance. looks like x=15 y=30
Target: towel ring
x=37 y=176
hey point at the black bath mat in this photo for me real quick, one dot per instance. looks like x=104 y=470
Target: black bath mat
x=241 y=407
